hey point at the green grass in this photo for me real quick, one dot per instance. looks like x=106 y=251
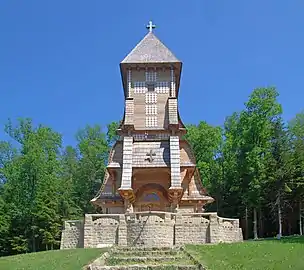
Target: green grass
x=270 y=254
x=51 y=260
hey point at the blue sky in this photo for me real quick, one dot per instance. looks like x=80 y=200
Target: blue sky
x=59 y=60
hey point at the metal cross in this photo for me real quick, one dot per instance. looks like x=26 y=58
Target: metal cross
x=150 y=156
x=150 y=26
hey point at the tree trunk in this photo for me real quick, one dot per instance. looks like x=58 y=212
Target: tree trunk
x=33 y=237
x=246 y=223
x=300 y=217
x=255 y=227
x=279 y=217
x=33 y=242
x=289 y=226
x=261 y=224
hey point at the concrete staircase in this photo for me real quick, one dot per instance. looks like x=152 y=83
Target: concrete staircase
x=145 y=258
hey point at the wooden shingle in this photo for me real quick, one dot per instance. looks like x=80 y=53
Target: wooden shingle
x=150 y=49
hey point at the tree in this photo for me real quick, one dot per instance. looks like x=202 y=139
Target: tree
x=32 y=187
x=206 y=141
x=112 y=135
x=93 y=152
x=296 y=128
x=278 y=170
x=69 y=208
x=4 y=226
x=233 y=190
x=262 y=109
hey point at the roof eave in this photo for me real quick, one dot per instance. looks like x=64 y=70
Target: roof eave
x=124 y=66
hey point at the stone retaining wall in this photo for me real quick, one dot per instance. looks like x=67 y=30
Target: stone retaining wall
x=191 y=230
x=72 y=234
x=152 y=229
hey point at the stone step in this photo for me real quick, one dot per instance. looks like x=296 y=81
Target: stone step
x=145 y=248
x=144 y=252
x=147 y=259
x=143 y=267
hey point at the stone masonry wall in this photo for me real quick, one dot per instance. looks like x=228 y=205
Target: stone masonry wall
x=101 y=230
x=191 y=230
x=153 y=229
x=150 y=230
x=72 y=234
x=229 y=230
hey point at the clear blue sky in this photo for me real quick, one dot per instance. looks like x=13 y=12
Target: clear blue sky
x=59 y=60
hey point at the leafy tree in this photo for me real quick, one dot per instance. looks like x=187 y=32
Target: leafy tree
x=112 y=135
x=262 y=109
x=4 y=227
x=93 y=151
x=278 y=171
x=296 y=127
x=205 y=141
x=69 y=208
x=32 y=185
x=233 y=190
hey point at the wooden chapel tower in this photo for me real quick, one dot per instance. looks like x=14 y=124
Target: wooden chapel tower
x=151 y=167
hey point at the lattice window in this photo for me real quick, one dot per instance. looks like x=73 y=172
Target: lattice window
x=151 y=121
x=139 y=136
x=163 y=136
x=151 y=137
x=151 y=109
x=140 y=87
x=129 y=82
x=162 y=87
x=173 y=92
x=151 y=76
x=151 y=97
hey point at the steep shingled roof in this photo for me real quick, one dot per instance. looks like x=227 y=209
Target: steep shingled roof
x=150 y=50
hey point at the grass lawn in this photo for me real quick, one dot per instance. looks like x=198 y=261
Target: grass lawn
x=287 y=253
x=51 y=260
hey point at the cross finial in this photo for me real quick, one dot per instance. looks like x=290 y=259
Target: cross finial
x=150 y=26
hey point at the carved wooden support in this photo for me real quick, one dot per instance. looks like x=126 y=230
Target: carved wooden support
x=128 y=198
x=175 y=195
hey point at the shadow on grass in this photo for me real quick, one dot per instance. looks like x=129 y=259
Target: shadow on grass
x=294 y=239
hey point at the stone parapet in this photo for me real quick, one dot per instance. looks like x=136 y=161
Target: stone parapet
x=72 y=234
x=149 y=229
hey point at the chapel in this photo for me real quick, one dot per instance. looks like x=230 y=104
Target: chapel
x=151 y=166
x=152 y=194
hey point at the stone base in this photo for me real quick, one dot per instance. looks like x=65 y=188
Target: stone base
x=149 y=229
x=145 y=258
